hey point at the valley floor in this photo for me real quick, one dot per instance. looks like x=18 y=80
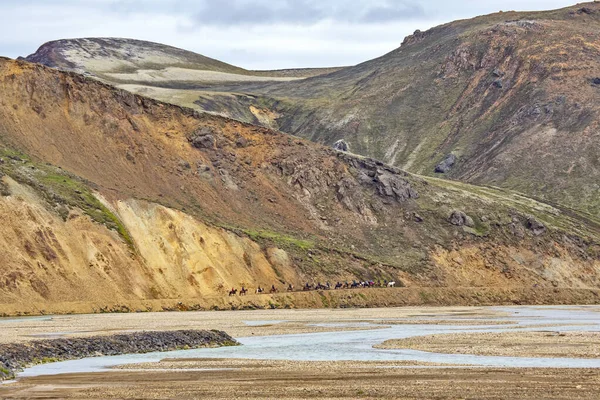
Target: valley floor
x=251 y=379
x=236 y=323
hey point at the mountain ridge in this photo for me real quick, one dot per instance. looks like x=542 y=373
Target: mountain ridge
x=111 y=198
x=114 y=200
x=511 y=96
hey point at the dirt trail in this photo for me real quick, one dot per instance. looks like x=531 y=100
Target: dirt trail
x=333 y=299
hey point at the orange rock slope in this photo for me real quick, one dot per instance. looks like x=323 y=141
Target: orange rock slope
x=111 y=198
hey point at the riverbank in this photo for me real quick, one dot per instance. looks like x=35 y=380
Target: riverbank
x=509 y=344
x=253 y=379
x=350 y=298
x=312 y=366
x=237 y=323
x=16 y=356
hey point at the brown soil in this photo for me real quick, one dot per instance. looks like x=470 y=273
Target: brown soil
x=398 y=297
x=324 y=380
x=512 y=344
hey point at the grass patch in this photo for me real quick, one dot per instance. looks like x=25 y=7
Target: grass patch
x=425 y=297
x=280 y=239
x=60 y=189
x=324 y=300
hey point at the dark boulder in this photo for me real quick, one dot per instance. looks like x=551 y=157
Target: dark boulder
x=535 y=226
x=241 y=142
x=596 y=81
x=459 y=218
x=446 y=164
x=389 y=184
x=341 y=145
x=498 y=83
x=183 y=165
x=203 y=138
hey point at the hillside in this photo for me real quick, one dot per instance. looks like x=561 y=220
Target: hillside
x=112 y=198
x=510 y=99
x=152 y=68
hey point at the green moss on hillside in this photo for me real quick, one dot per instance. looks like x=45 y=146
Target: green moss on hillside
x=60 y=189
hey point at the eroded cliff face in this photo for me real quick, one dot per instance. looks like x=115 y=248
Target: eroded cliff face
x=189 y=259
x=48 y=259
x=110 y=198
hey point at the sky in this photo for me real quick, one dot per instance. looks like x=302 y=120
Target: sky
x=254 y=34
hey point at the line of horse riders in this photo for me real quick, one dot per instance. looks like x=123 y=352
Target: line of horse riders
x=319 y=286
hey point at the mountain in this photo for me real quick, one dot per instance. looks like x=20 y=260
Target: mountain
x=509 y=99
x=114 y=201
x=151 y=68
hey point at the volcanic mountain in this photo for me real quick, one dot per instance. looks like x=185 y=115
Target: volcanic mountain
x=509 y=99
x=112 y=201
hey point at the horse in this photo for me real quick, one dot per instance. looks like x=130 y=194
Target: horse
x=391 y=284
x=243 y=291
x=290 y=288
x=233 y=292
x=354 y=285
x=273 y=289
x=307 y=286
x=338 y=285
x=259 y=290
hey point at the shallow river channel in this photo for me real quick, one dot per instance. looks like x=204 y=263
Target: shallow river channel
x=358 y=344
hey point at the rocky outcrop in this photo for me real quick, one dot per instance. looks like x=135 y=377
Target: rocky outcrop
x=393 y=186
x=341 y=145
x=586 y=10
x=388 y=182
x=446 y=164
x=203 y=138
x=535 y=226
x=459 y=218
x=15 y=357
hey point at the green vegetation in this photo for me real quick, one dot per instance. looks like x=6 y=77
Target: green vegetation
x=282 y=241
x=324 y=300
x=471 y=197
x=60 y=189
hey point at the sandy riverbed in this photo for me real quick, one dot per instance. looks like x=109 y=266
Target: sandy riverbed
x=235 y=323
x=251 y=379
x=511 y=344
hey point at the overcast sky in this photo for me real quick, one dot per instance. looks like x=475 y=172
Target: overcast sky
x=255 y=34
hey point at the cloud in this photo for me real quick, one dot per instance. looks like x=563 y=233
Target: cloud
x=305 y=12
x=255 y=34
